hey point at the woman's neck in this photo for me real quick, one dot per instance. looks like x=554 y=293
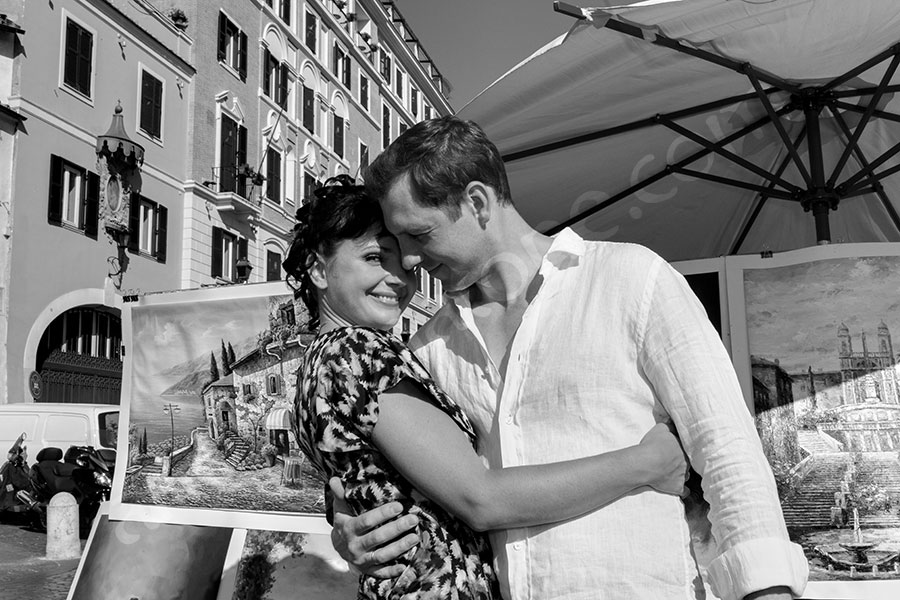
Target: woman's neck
x=329 y=319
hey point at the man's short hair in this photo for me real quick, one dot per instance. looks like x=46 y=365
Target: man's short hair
x=442 y=156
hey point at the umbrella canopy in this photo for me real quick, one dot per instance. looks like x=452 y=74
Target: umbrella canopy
x=708 y=127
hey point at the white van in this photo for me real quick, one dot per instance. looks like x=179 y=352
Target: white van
x=58 y=424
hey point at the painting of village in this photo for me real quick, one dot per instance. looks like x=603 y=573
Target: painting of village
x=210 y=409
x=826 y=393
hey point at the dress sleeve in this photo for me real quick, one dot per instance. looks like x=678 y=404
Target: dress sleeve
x=356 y=367
x=686 y=362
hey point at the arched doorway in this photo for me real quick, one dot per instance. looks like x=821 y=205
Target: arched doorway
x=79 y=357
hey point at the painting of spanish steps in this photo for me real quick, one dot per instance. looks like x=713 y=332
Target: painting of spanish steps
x=826 y=394
x=211 y=405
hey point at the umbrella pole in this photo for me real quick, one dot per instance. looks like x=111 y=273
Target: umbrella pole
x=818 y=198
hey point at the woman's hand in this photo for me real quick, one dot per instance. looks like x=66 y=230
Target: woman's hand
x=667 y=459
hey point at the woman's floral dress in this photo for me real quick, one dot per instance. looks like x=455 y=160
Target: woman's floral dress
x=342 y=375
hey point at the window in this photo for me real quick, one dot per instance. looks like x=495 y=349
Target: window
x=286 y=313
x=363 y=156
x=227 y=248
x=148 y=225
x=414 y=101
x=151 y=105
x=427 y=112
x=285 y=12
x=309 y=109
x=385 y=65
x=340 y=65
x=432 y=288
x=275 y=79
x=273 y=175
x=385 y=126
x=338 y=137
x=402 y=127
x=398 y=84
x=273 y=384
x=273 y=266
x=232 y=154
x=312 y=32
x=420 y=281
x=246 y=389
x=74 y=197
x=406 y=334
x=85 y=331
x=310 y=185
x=232 y=49
x=364 y=91
x=79 y=58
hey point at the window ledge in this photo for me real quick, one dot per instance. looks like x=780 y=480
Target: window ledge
x=232 y=202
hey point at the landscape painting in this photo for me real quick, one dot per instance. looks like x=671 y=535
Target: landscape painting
x=210 y=378
x=824 y=377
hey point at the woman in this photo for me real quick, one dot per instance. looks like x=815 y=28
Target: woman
x=369 y=413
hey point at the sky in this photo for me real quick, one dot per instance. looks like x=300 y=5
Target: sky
x=473 y=42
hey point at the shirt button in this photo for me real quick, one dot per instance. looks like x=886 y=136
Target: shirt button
x=517 y=546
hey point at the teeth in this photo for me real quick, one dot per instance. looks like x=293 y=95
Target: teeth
x=388 y=299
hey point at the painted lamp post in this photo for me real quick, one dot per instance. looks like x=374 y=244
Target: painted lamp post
x=170 y=409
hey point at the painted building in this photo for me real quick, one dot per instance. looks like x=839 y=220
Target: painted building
x=228 y=118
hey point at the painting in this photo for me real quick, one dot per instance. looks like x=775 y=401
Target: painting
x=817 y=363
x=209 y=383
x=131 y=559
x=278 y=565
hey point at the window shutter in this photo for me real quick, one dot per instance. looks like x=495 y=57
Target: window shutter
x=339 y=136
x=241 y=157
x=241 y=248
x=146 y=102
x=227 y=155
x=86 y=48
x=157 y=102
x=281 y=98
x=162 y=215
x=267 y=73
x=242 y=56
x=54 y=204
x=311 y=26
x=286 y=11
x=216 y=252
x=71 y=66
x=91 y=205
x=223 y=36
x=134 y=223
x=309 y=110
x=347 y=73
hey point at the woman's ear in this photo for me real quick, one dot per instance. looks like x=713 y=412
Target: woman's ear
x=317 y=273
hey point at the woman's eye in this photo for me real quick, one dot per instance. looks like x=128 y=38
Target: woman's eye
x=374 y=257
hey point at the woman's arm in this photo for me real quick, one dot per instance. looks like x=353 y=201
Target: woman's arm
x=430 y=450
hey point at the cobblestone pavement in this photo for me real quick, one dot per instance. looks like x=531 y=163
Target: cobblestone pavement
x=24 y=572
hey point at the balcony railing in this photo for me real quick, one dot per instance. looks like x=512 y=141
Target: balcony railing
x=235 y=188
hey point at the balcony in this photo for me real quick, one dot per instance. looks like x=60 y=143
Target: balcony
x=236 y=188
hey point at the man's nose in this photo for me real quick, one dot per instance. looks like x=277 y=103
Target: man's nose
x=410 y=256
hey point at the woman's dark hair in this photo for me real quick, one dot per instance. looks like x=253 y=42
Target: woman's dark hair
x=442 y=156
x=340 y=210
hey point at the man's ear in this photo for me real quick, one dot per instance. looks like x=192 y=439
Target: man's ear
x=317 y=272
x=480 y=198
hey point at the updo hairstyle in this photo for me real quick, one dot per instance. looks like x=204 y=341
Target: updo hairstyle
x=339 y=210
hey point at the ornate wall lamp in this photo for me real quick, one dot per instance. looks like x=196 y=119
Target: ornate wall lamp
x=119 y=161
x=243 y=268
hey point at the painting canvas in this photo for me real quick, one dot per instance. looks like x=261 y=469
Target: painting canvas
x=210 y=377
x=818 y=363
x=278 y=565
x=131 y=559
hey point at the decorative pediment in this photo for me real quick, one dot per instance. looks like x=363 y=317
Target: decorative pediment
x=234 y=110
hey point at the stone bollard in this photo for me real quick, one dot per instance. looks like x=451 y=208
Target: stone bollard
x=62 y=527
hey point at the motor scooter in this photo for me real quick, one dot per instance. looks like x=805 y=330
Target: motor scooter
x=15 y=481
x=84 y=473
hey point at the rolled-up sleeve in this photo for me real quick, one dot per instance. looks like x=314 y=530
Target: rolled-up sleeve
x=684 y=360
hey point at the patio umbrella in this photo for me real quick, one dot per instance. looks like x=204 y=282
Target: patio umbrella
x=703 y=128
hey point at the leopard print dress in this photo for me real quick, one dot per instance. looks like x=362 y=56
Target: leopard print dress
x=343 y=372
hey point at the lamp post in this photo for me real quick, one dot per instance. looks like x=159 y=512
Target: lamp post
x=170 y=409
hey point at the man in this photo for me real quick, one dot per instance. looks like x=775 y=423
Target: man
x=559 y=348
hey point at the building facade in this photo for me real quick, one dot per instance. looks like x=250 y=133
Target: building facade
x=231 y=116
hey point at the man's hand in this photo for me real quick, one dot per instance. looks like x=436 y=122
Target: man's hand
x=672 y=469
x=366 y=542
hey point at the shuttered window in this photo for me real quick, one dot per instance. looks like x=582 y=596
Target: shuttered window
x=78 y=58
x=74 y=199
x=151 y=105
x=338 y=136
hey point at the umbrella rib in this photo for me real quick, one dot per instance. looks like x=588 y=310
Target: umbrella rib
x=890 y=89
x=659 y=39
x=662 y=173
x=892 y=51
x=734 y=183
x=873 y=102
x=776 y=122
x=618 y=129
x=745 y=230
x=869 y=173
x=699 y=139
x=864 y=163
x=875 y=113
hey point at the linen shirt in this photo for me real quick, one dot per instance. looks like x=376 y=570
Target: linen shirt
x=613 y=342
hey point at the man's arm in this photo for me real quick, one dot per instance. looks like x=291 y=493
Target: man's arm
x=368 y=541
x=685 y=361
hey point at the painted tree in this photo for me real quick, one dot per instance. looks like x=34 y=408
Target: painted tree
x=213 y=367
x=226 y=364
x=254 y=413
x=231 y=358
